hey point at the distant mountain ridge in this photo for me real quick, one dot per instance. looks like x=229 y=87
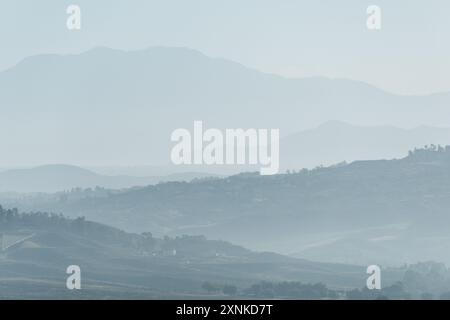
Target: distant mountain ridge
x=129 y=102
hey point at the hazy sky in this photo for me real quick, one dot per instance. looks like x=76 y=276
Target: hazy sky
x=410 y=54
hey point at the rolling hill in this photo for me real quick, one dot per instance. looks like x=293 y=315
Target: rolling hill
x=390 y=211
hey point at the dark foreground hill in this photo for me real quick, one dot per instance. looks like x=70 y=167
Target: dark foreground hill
x=37 y=248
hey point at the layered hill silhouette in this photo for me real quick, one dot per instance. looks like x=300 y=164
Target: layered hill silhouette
x=330 y=143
